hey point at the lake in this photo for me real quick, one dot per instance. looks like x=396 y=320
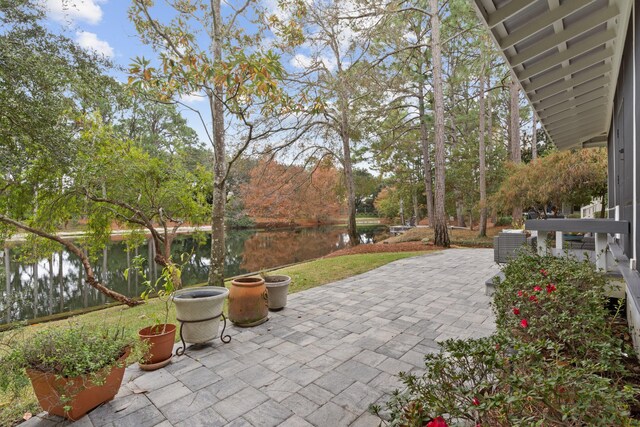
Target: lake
x=56 y=284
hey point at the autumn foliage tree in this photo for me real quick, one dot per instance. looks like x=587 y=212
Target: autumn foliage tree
x=288 y=193
x=563 y=176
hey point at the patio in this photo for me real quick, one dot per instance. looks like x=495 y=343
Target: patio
x=323 y=360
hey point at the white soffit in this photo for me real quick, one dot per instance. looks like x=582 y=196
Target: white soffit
x=566 y=55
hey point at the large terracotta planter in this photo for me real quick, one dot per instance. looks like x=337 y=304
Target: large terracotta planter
x=248 y=302
x=277 y=289
x=160 y=339
x=201 y=311
x=85 y=395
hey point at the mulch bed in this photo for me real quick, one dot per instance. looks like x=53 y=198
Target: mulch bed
x=383 y=247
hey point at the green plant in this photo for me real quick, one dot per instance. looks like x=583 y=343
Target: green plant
x=162 y=287
x=561 y=299
x=503 y=220
x=66 y=352
x=501 y=381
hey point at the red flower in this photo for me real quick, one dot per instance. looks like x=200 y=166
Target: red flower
x=520 y=293
x=524 y=323
x=516 y=310
x=543 y=271
x=475 y=401
x=537 y=288
x=550 y=288
x=437 y=422
x=533 y=298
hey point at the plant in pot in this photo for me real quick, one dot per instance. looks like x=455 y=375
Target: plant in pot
x=72 y=369
x=160 y=336
x=277 y=290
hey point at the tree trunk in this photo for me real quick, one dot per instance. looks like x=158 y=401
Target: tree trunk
x=441 y=234
x=218 y=247
x=534 y=136
x=86 y=264
x=460 y=213
x=482 y=232
x=416 y=208
x=354 y=237
x=514 y=138
x=426 y=156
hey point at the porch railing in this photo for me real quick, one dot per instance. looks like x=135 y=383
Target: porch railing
x=603 y=230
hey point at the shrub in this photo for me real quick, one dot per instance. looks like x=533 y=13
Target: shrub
x=501 y=381
x=560 y=299
x=67 y=352
x=503 y=220
x=554 y=361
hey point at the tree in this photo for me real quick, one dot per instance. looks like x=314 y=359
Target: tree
x=337 y=73
x=204 y=52
x=441 y=234
x=514 y=136
x=289 y=193
x=44 y=80
x=482 y=231
x=563 y=176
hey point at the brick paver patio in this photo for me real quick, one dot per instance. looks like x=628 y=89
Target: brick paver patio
x=323 y=360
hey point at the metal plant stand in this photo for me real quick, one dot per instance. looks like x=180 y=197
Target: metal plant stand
x=224 y=338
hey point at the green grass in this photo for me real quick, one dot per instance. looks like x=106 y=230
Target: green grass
x=304 y=276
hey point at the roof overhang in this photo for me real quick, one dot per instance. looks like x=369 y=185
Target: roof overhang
x=566 y=55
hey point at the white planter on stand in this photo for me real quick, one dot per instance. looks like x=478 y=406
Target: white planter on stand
x=199 y=310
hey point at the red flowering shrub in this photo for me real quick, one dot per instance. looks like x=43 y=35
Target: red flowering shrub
x=554 y=360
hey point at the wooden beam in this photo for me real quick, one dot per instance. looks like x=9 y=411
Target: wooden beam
x=577 y=91
x=577 y=129
x=573 y=103
x=560 y=73
x=578 y=122
x=539 y=23
x=507 y=12
x=574 y=30
x=584 y=77
x=575 y=50
x=581 y=109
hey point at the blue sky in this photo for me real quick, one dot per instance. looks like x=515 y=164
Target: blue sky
x=104 y=26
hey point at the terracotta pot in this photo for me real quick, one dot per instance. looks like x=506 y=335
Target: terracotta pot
x=248 y=302
x=277 y=288
x=85 y=395
x=160 y=343
x=201 y=309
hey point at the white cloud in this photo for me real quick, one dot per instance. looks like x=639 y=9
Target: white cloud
x=192 y=97
x=67 y=11
x=90 y=41
x=302 y=61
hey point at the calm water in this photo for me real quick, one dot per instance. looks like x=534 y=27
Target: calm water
x=56 y=284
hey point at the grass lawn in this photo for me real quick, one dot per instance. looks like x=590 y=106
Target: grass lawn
x=304 y=276
x=458 y=237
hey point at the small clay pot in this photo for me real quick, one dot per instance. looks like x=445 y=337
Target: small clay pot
x=160 y=339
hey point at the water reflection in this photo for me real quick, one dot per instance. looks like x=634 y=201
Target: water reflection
x=56 y=284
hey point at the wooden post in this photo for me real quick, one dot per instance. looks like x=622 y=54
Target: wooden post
x=601 y=251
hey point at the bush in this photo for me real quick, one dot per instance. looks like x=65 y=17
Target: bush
x=554 y=361
x=67 y=352
x=503 y=220
x=501 y=381
x=560 y=299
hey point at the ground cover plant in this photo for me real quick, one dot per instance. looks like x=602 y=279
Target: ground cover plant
x=555 y=360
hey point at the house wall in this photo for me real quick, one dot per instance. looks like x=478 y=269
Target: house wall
x=621 y=146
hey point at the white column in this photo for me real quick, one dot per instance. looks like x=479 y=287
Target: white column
x=601 y=251
x=542 y=242
x=559 y=240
